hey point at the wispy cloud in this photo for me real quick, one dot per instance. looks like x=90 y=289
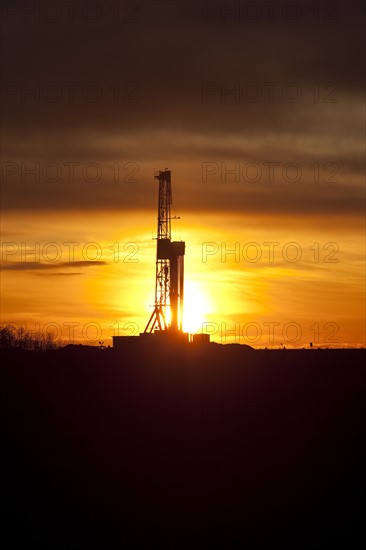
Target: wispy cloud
x=32 y=266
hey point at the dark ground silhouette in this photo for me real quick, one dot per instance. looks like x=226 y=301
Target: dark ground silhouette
x=197 y=447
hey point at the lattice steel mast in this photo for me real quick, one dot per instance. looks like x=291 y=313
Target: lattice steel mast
x=169 y=279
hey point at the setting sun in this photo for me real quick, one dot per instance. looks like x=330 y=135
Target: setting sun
x=196 y=307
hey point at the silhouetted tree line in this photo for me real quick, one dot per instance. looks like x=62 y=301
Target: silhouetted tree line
x=12 y=337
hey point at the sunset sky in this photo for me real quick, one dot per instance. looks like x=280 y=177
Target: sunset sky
x=258 y=110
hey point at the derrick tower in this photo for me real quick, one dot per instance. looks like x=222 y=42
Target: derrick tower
x=169 y=277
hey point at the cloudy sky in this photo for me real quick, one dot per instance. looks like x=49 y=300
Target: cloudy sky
x=258 y=110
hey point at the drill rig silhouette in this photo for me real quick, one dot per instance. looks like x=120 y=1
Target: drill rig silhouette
x=166 y=321
x=169 y=278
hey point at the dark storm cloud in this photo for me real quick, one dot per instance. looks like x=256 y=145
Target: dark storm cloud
x=169 y=53
x=302 y=198
x=144 y=91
